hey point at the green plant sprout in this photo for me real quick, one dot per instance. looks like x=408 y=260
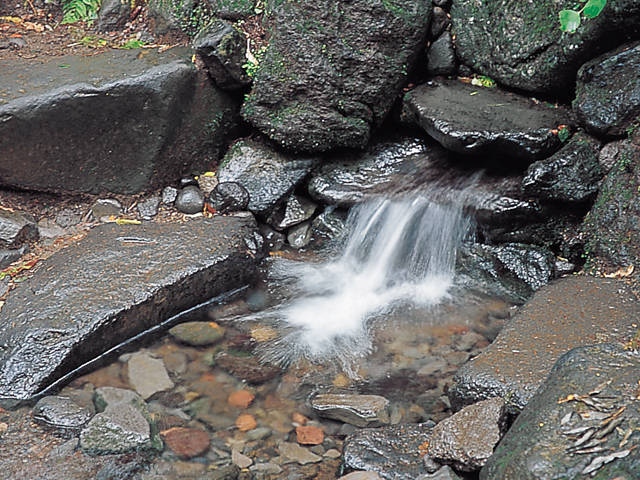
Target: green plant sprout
x=80 y=11
x=483 y=81
x=570 y=19
x=252 y=64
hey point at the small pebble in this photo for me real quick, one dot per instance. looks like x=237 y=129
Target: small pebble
x=309 y=435
x=241 y=398
x=190 y=200
x=169 y=195
x=186 y=442
x=246 y=422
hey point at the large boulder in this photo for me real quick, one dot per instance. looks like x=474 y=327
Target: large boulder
x=486 y=122
x=611 y=227
x=608 y=92
x=332 y=70
x=572 y=174
x=268 y=175
x=117 y=282
x=582 y=423
x=520 y=44
x=114 y=122
x=568 y=313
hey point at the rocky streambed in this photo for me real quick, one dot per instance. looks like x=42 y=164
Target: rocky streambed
x=144 y=192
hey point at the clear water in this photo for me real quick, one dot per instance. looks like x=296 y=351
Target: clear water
x=398 y=251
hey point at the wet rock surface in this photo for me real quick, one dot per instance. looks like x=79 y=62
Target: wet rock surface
x=146 y=102
x=531 y=53
x=266 y=174
x=61 y=413
x=318 y=86
x=607 y=99
x=585 y=310
x=485 y=121
x=229 y=197
x=611 y=225
x=115 y=283
x=580 y=424
x=393 y=452
x=16 y=228
x=466 y=440
x=572 y=174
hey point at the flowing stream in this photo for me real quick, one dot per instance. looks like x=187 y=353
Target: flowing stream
x=397 y=251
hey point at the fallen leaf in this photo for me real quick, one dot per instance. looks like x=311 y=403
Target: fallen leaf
x=621 y=273
x=127 y=221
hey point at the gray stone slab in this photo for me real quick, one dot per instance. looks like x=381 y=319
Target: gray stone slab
x=569 y=313
x=118 y=281
x=121 y=121
x=485 y=121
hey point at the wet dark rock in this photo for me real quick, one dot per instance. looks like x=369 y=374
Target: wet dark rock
x=555 y=437
x=439 y=22
x=611 y=226
x=487 y=122
x=232 y=9
x=16 y=228
x=358 y=410
x=293 y=211
x=198 y=333
x=273 y=239
x=229 y=197
x=513 y=271
x=319 y=85
x=299 y=236
x=572 y=174
x=584 y=310
x=444 y=473
x=121 y=426
x=123 y=124
x=148 y=208
x=169 y=16
x=441 y=57
x=190 y=200
x=7 y=257
x=147 y=375
x=113 y=14
x=393 y=451
x=521 y=45
x=607 y=99
x=266 y=174
x=223 y=48
x=169 y=195
x=330 y=224
x=466 y=440
x=61 y=413
x=347 y=179
x=118 y=281
x=247 y=367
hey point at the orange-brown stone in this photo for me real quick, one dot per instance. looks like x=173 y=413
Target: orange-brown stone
x=309 y=435
x=186 y=442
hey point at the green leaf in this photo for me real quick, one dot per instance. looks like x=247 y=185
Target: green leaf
x=569 y=20
x=593 y=8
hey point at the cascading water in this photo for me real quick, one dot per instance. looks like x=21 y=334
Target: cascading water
x=398 y=251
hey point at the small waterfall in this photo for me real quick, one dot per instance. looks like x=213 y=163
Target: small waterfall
x=398 y=251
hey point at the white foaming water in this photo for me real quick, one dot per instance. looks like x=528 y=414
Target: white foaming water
x=398 y=250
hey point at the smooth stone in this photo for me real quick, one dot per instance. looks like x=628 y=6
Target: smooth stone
x=115 y=283
x=294 y=210
x=467 y=439
x=584 y=310
x=229 y=197
x=190 y=200
x=607 y=99
x=581 y=423
x=61 y=413
x=198 y=333
x=572 y=174
x=186 y=442
x=147 y=375
x=292 y=452
x=240 y=459
x=358 y=410
x=485 y=122
x=267 y=468
x=16 y=228
x=299 y=236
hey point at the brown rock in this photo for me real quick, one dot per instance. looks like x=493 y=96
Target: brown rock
x=299 y=419
x=309 y=435
x=247 y=368
x=186 y=442
x=241 y=398
x=246 y=422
